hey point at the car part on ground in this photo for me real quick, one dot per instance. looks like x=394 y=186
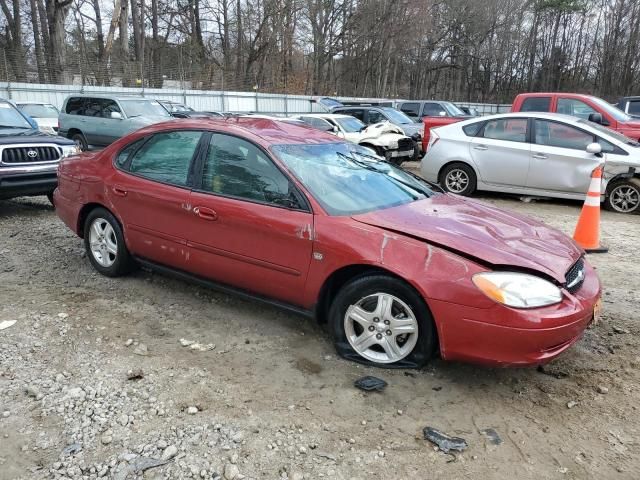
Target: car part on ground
x=516 y=153
x=28 y=158
x=385 y=259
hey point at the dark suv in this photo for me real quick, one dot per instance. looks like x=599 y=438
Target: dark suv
x=28 y=158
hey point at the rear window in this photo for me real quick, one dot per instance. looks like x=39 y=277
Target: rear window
x=472 y=129
x=536 y=104
x=75 y=106
x=634 y=107
x=411 y=109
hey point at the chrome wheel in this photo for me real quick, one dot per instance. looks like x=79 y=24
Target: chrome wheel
x=103 y=242
x=381 y=328
x=457 y=180
x=624 y=198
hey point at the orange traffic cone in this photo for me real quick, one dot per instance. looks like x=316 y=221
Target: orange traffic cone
x=587 y=233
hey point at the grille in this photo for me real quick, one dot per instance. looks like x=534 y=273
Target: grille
x=575 y=276
x=405 y=144
x=30 y=154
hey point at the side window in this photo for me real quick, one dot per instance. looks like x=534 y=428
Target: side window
x=556 y=134
x=376 y=117
x=166 y=157
x=432 y=109
x=93 y=107
x=359 y=114
x=472 y=129
x=125 y=153
x=577 y=108
x=318 y=123
x=109 y=106
x=536 y=104
x=510 y=129
x=634 y=107
x=75 y=106
x=411 y=109
x=235 y=167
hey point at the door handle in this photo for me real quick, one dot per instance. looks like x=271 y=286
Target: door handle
x=481 y=147
x=541 y=156
x=205 y=213
x=121 y=192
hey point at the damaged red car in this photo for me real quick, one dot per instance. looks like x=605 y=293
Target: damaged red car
x=284 y=213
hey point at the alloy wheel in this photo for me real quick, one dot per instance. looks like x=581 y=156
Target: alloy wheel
x=103 y=242
x=625 y=198
x=457 y=180
x=381 y=328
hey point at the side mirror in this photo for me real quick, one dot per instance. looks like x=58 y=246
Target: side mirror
x=596 y=118
x=594 y=148
x=116 y=115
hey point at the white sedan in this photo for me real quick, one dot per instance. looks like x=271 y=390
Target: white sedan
x=537 y=154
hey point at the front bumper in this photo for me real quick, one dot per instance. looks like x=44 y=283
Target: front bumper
x=490 y=336
x=27 y=180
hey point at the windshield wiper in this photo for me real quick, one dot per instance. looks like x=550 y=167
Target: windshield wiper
x=366 y=166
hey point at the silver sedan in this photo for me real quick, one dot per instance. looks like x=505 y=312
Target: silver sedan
x=537 y=154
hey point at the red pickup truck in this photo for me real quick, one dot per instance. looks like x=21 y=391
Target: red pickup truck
x=432 y=122
x=588 y=107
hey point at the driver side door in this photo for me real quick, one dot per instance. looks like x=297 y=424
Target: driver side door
x=250 y=226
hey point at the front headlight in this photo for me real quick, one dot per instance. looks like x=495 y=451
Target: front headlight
x=68 y=150
x=517 y=290
x=393 y=144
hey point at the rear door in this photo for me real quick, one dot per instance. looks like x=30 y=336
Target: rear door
x=501 y=152
x=150 y=191
x=249 y=227
x=559 y=160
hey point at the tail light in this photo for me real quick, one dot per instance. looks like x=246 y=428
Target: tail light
x=433 y=139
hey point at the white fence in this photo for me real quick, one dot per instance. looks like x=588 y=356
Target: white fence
x=202 y=100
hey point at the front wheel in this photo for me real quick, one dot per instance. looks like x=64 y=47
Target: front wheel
x=104 y=244
x=458 y=178
x=624 y=196
x=382 y=321
x=80 y=141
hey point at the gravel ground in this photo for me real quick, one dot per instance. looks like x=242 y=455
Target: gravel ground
x=150 y=377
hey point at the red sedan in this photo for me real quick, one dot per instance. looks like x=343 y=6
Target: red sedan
x=294 y=216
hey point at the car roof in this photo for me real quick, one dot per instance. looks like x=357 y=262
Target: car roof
x=32 y=102
x=325 y=115
x=111 y=97
x=545 y=115
x=268 y=131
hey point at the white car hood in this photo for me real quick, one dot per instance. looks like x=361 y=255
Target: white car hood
x=46 y=122
x=378 y=129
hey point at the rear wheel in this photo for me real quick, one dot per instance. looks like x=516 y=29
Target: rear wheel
x=624 y=196
x=104 y=244
x=458 y=178
x=80 y=141
x=382 y=321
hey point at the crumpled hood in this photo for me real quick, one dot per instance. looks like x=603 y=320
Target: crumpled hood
x=478 y=230
x=377 y=129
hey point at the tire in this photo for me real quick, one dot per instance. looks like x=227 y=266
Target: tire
x=624 y=196
x=381 y=344
x=458 y=178
x=109 y=254
x=80 y=140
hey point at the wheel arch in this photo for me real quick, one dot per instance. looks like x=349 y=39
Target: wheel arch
x=451 y=162
x=72 y=131
x=86 y=210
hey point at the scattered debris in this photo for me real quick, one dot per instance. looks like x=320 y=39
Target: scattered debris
x=71 y=449
x=193 y=345
x=602 y=389
x=369 y=384
x=444 y=442
x=141 y=349
x=620 y=330
x=7 y=324
x=192 y=410
x=135 y=374
x=328 y=456
x=33 y=392
x=169 y=452
x=137 y=466
x=186 y=343
x=492 y=436
x=437 y=389
x=552 y=372
x=572 y=404
x=63 y=315
x=410 y=374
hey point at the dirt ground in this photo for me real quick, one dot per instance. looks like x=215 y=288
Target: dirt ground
x=262 y=394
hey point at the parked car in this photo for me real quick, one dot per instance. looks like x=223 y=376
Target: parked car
x=28 y=157
x=384 y=139
x=180 y=110
x=44 y=114
x=582 y=106
x=371 y=114
x=541 y=154
x=432 y=114
x=100 y=120
x=630 y=106
x=396 y=268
